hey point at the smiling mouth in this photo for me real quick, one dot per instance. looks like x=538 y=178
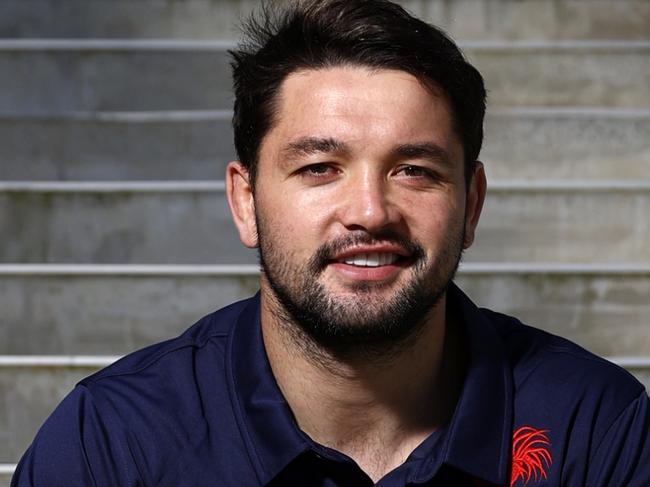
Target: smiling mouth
x=367 y=256
x=371 y=259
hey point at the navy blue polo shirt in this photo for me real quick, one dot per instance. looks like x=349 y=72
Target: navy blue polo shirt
x=204 y=409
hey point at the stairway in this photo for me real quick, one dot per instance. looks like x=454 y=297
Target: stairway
x=114 y=134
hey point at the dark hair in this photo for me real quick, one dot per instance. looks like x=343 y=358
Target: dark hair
x=317 y=34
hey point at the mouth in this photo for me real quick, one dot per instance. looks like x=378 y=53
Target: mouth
x=367 y=263
x=357 y=259
x=371 y=259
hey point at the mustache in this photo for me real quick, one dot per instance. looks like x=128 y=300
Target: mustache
x=326 y=252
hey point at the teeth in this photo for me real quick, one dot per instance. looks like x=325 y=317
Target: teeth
x=375 y=259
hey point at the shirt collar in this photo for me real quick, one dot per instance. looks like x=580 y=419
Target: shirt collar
x=265 y=420
x=478 y=438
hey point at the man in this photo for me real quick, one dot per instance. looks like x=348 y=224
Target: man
x=358 y=130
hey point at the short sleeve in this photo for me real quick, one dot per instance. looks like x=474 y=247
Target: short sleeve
x=622 y=457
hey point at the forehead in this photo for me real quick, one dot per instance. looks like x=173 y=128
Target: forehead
x=363 y=106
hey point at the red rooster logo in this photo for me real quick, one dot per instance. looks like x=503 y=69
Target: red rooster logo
x=530 y=455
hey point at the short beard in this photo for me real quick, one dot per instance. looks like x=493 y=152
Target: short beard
x=359 y=326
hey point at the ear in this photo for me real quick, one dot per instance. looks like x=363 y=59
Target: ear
x=476 y=190
x=242 y=204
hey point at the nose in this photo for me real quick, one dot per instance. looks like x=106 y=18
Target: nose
x=367 y=205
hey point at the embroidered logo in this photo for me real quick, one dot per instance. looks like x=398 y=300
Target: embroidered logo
x=530 y=455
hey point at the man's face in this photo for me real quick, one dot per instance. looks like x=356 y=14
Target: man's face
x=360 y=206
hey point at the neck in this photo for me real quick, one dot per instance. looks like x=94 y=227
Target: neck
x=375 y=411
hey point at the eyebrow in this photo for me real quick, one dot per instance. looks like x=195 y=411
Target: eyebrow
x=427 y=150
x=307 y=146
x=314 y=145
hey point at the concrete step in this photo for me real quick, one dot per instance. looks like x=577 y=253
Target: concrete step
x=53 y=77
x=122 y=146
x=501 y=19
x=115 y=309
x=123 y=18
x=6 y=471
x=535 y=19
x=567 y=143
x=120 y=223
x=110 y=313
x=527 y=142
x=560 y=74
x=564 y=222
x=604 y=310
x=189 y=223
x=31 y=393
x=68 y=75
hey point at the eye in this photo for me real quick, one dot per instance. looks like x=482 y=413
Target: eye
x=411 y=171
x=319 y=170
x=417 y=176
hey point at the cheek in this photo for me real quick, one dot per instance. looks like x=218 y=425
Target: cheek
x=288 y=228
x=432 y=222
x=314 y=210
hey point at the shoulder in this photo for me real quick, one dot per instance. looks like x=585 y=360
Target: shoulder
x=542 y=360
x=140 y=415
x=594 y=413
x=208 y=337
x=170 y=381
